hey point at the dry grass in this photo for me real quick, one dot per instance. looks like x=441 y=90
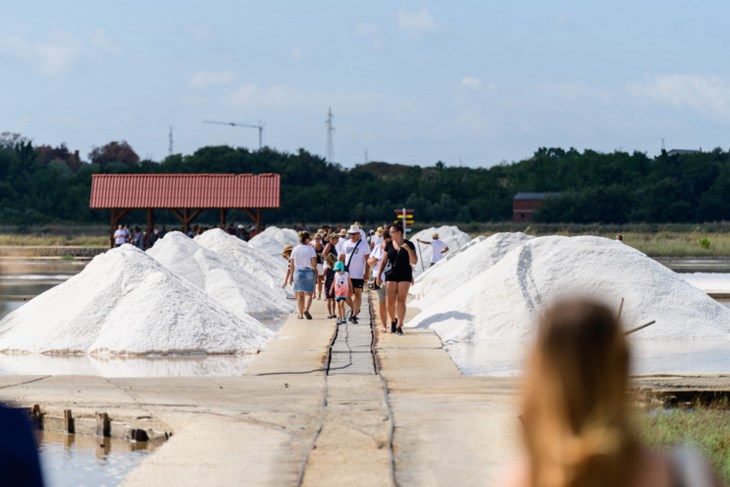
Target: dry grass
x=54 y=240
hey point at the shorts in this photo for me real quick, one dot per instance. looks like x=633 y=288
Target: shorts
x=304 y=280
x=340 y=298
x=358 y=283
x=405 y=275
x=320 y=269
x=381 y=293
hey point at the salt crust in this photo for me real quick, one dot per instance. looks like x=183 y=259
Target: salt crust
x=463 y=265
x=450 y=235
x=124 y=303
x=274 y=239
x=240 y=291
x=504 y=301
x=269 y=269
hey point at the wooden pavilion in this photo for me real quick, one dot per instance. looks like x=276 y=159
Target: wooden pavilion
x=185 y=195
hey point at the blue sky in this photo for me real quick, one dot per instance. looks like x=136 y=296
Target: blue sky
x=466 y=82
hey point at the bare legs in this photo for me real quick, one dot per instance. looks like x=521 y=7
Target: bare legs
x=300 y=304
x=396 y=295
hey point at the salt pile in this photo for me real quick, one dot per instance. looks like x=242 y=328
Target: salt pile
x=450 y=235
x=273 y=240
x=267 y=268
x=125 y=302
x=504 y=301
x=240 y=291
x=466 y=264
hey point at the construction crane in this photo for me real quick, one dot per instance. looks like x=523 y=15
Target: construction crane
x=259 y=126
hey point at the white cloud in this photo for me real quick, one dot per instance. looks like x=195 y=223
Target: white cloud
x=416 y=22
x=101 y=41
x=207 y=79
x=371 y=31
x=50 y=57
x=705 y=94
x=471 y=83
x=59 y=52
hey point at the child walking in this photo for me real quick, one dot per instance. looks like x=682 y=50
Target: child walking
x=342 y=286
x=329 y=278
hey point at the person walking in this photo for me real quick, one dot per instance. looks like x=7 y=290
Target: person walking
x=576 y=423
x=354 y=255
x=398 y=275
x=329 y=277
x=376 y=261
x=438 y=248
x=304 y=263
x=120 y=236
x=319 y=249
x=341 y=288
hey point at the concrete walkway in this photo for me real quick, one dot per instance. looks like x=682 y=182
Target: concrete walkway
x=394 y=410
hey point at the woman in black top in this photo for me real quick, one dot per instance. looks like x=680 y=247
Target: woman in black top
x=398 y=279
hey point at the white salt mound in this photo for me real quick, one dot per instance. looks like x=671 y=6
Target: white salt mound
x=475 y=258
x=240 y=291
x=125 y=302
x=450 y=235
x=267 y=268
x=273 y=240
x=504 y=301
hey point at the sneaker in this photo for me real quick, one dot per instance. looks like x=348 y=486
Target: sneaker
x=307 y=315
x=354 y=319
x=393 y=326
x=399 y=331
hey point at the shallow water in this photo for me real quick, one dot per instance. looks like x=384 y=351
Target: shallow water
x=75 y=460
x=503 y=358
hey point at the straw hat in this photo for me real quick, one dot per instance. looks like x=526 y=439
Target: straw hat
x=379 y=232
x=435 y=236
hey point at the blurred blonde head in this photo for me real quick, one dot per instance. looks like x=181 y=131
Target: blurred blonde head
x=576 y=425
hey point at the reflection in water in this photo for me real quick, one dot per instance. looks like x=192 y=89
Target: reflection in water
x=72 y=460
x=170 y=366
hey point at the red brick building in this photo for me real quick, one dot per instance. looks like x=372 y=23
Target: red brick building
x=524 y=205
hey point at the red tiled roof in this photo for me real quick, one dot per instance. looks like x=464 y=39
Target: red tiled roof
x=184 y=191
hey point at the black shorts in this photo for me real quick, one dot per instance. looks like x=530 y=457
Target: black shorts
x=358 y=283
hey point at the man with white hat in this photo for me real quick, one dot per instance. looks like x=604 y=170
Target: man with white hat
x=438 y=248
x=354 y=253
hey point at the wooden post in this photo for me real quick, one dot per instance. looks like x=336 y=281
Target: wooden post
x=258 y=221
x=150 y=219
x=223 y=217
x=186 y=225
x=68 y=421
x=103 y=425
x=113 y=225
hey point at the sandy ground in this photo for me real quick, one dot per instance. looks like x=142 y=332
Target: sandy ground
x=285 y=422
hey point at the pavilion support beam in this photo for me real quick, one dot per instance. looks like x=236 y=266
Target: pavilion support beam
x=150 y=219
x=259 y=223
x=186 y=217
x=223 y=217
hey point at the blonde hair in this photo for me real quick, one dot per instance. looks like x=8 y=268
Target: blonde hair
x=330 y=259
x=304 y=236
x=576 y=425
x=286 y=253
x=335 y=236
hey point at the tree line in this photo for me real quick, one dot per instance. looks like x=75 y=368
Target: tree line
x=40 y=184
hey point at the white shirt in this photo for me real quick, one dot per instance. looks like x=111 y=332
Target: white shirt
x=436 y=247
x=302 y=256
x=376 y=240
x=120 y=237
x=379 y=254
x=359 y=259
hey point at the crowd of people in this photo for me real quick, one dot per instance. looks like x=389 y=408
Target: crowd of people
x=338 y=264
x=145 y=239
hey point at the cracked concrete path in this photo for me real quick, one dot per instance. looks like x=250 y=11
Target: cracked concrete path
x=286 y=422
